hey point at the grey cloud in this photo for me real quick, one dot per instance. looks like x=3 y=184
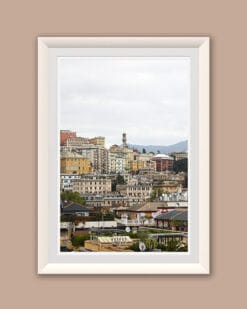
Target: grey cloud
x=147 y=98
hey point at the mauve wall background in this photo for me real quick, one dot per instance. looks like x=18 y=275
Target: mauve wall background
x=20 y=23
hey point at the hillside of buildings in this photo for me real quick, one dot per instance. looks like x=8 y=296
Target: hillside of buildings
x=121 y=199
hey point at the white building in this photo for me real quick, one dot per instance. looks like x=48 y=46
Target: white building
x=66 y=181
x=116 y=163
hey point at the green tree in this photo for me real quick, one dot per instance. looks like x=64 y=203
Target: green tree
x=176 y=245
x=155 y=194
x=68 y=218
x=134 y=246
x=143 y=236
x=181 y=165
x=172 y=245
x=79 y=240
x=70 y=196
x=185 y=182
x=118 y=181
x=151 y=244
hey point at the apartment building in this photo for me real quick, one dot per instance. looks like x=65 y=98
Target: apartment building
x=109 y=200
x=163 y=162
x=179 y=155
x=138 y=193
x=72 y=163
x=92 y=184
x=116 y=163
x=167 y=186
x=97 y=140
x=97 y=156
x=64 y=134
x=75 y=142
x=66 y=181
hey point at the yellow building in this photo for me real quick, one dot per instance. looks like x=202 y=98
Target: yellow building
x=98 y=140
x=74 y=164
x=136 y=165
x=133 y=165
x=140 y=164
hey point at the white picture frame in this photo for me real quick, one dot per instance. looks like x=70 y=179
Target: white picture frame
x=50 y=260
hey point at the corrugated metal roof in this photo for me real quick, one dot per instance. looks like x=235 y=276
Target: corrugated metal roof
x=74 y=207
x=119 y=239
x=181 y=215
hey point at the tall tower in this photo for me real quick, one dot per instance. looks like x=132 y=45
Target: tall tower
x=124 y=140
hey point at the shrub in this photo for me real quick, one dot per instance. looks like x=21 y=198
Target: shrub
x=78 y=240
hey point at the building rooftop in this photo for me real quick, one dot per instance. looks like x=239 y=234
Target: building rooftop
x=174 y=215
x=163 y=156
x=149 y=206
x=115 y=239
x=71 y=155
x=72 y=207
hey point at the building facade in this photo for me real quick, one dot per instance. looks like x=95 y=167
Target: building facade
x=64 y=134
x=97 y=156
x=109 y=200
x=98 y=141
x=74 y=164
x=75 y=142
x=137 y=193
x=179 y=155
x=167 y=186
x=92 y=184
x=116 y=163
x=66 y=181
x=163 y=162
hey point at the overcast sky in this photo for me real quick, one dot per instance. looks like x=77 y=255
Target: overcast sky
x=148 y=98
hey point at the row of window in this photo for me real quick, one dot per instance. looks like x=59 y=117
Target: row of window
x=100 y=183
x=91 y=192
x=138 y=194
x=139 y=188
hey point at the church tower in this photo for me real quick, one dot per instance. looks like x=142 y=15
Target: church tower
x=124 y=140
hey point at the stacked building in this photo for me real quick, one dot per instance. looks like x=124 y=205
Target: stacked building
x=163 y=162
x=88 y=167
x=72 y=163
x=92 y=184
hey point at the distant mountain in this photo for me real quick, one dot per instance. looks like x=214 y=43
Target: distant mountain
x=181 y=146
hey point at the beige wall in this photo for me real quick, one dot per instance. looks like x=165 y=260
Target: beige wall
x=20 y=23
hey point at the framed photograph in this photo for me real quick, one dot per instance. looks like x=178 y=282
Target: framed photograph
x=123 y=155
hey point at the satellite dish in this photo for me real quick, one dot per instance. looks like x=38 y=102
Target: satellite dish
x=127 y=229
x=180 y=245
x=142 y=246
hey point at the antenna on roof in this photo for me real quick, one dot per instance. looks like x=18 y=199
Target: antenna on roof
x=142 y=246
